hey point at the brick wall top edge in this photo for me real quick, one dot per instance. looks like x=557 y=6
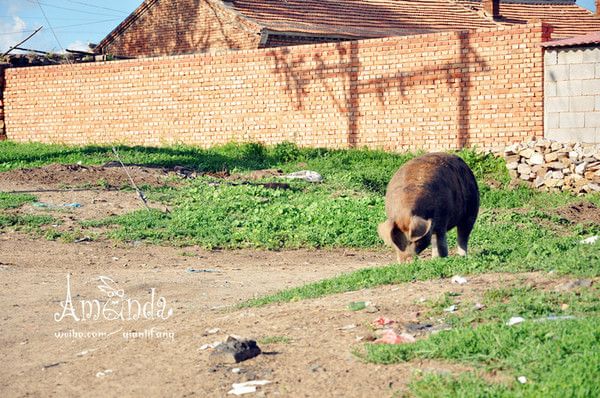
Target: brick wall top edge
x=530 y=27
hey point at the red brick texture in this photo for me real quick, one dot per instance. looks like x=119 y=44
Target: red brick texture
x=435 y=91
x=182 y=27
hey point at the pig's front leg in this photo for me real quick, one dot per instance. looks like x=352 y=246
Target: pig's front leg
x=439 y=246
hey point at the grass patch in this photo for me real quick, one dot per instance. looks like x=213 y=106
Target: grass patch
x=558 y=357
x=275 y=340
x=25 y=222
x=14 y=200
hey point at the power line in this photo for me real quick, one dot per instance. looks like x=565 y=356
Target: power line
x=51 y=29
x=72 y=9
x=95 y=6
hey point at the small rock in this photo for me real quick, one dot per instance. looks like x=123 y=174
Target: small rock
x=235 y=350
x=536 y=158
x=527 y=152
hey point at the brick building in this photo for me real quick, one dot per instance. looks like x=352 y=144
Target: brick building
x=170 y=27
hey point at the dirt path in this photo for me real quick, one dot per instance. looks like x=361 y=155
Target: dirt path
x=310 y=356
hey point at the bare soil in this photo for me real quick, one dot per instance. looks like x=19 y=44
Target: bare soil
x=308 y=345
x=580 y=213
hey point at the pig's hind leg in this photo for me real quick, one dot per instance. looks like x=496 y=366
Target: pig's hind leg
x=462 y=237
x=439 y=245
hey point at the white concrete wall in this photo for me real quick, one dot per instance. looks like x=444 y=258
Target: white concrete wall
x=572 y=94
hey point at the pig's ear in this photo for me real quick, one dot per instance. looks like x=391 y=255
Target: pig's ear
x=385 y=231
x=419 y=227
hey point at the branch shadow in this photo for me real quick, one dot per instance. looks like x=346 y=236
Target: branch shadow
x=300 y=71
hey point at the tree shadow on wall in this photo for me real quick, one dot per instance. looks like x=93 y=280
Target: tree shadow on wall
x=301 y=72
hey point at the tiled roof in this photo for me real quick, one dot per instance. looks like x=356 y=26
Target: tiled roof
x=365 y=18
x=379 y=18
x=585 y=40
x=567 y=18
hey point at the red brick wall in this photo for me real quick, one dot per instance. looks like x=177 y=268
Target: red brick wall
x=442 y=90
x=184 y=27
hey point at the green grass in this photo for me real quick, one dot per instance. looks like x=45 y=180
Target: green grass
x=26 y=222
x=517 y=231
x=13 y=201
x=558 y=357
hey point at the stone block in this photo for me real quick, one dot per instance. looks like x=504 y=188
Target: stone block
x=570 y=88
x=592 y=119
x=582 y=71
x=572 y=120
x=582 y=103
x=570 y=56
x=557 y=104
x=591 y=87
x=557 y=73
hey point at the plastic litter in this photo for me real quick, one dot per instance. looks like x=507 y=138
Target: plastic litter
x=200 y=271
x=348 y=327
x=555 y=318
x=383 y=321
x=306 y=175
x=358 y=305
x=591 y=240
x=210 y=345
x=452 y=308
x=391 y=337
x=44 y=205
x=459 y=280
x=104 y=373
x=522 y=379
x=515 y=320
x=478 y=306
x=247 y=387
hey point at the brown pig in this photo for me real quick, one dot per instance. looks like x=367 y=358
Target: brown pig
x=427 y=197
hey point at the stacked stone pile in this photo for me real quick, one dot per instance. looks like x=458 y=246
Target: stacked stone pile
x=555 y=166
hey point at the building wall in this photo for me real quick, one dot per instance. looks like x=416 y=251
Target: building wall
x=174 y=27
x=572 y=94
x=434 y=91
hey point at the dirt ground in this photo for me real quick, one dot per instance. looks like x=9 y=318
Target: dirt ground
x=307 y=346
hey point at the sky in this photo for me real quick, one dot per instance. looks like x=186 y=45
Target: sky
x=72 y=24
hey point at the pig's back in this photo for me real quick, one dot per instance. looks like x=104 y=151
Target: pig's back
x=432 y=186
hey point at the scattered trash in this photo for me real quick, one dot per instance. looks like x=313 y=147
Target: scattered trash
x=236 y=370
x=391 y=337
x=452 y=308
x=564 y=306
x=515 y=320
x=210 y=345
x=52 y=365
x=416 y=328
x=459 y=280
x=104 y=373
x=212 y=331
x=43 y=205
x=522 y=379
x=235 y=350
x=382 y=321
x=247 y=387
x=478 y=306
x=84 y=352
x=555 y=318
x=200 y=271
x=348 y=327
x=306 y=175
x=591 y=240
x=84 y=239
